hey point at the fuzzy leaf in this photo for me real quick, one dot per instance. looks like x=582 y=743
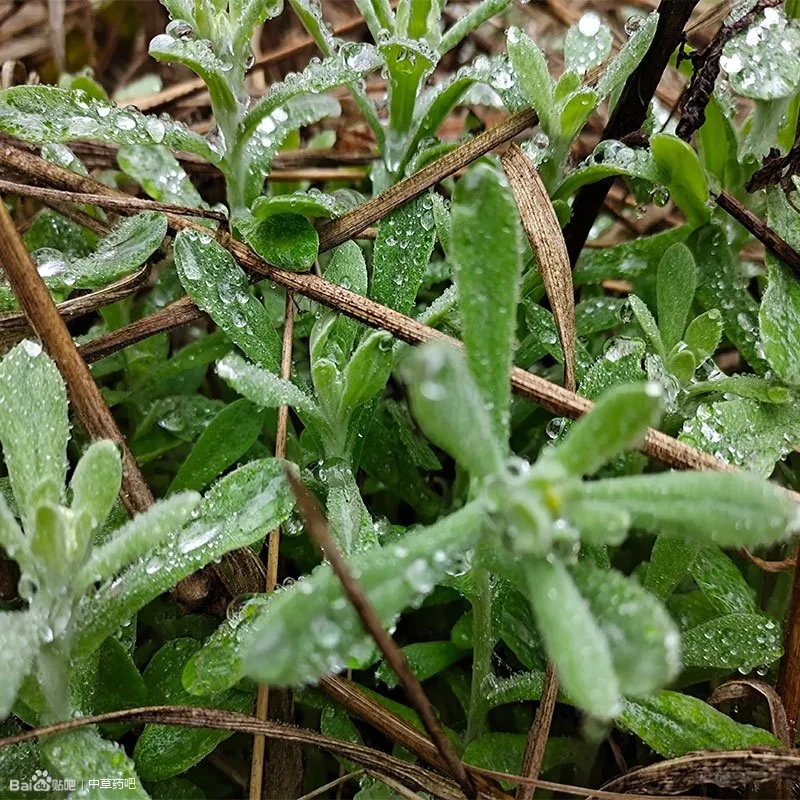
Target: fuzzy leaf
x=368 y=369
x=219 y=286
x=288 y=241
x=394 y=578
x=159 y=173
x=677 y=280
x=703 y=335
x=21 y=634
x=721 y=582
x=735 y=641
x=487 y=260
x=33 y=427
x=617 y=422
x=530 y=66
x=629 y=57
x=670 y=561
x=683 y=174
x=447 y=405
x=96 y=481
x=401 y=255
x=729 y=509
x=587 y=44
x=426 y=659
x=648 y=325
x=44 y=114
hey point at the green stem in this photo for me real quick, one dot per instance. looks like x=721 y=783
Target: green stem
x=482 y=646
x=54 y=671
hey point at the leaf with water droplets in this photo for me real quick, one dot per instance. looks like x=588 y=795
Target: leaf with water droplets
x=763 y=61
x=573 y=638
x=673 y=724
x=487 y=261
x=159 y=173
x=251 y=14
x=236 y=511
x=124 y=250
x=530 y=66
x=587 y=44
x=144 y=532
x=721 y=582
x=96 y=481
x=82 y=755
x=312 y=203
x=287 y=241
x=43 y=114
x=676 y=282
x=435 y=376
x=746 y=433
x=312 y=629
x=426 y=659
x=670 y=560
x=165 y=750
x=683 y=175
x=779 y=317
x=703 y=335
x=367 y=370
x=629 y=57
x=735 y=641
x=33 y=427
x=219 y=286
x=617 y=423
x=730 y=509
x=402 y=251
x=21 y=634
x=226 y=439
x=722 y=285
x=648 y=324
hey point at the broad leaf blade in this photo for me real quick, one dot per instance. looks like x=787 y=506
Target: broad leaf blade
x=96 y=481
x=735 y=641
x=677 y=280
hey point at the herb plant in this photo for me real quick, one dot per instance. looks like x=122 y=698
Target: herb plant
x=494 y=537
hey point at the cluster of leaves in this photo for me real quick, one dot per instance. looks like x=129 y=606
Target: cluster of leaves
x=534 y=539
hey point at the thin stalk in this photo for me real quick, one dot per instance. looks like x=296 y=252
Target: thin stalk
x=482 y=646
x=273 y=548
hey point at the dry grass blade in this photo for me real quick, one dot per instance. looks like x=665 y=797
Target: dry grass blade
x=124 y=204
x=747 y=687
x=536 y=743
x=349 y=776
x=56 y=9
x=544 y=234
x=409 y=775
x=88 y=402
x=727 y=768
x=273 y=546
x=317 y=528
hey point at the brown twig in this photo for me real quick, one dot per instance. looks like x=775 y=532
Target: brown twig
x=273 y=546
x=629 y=114
x=88 y=402
x=317 y=528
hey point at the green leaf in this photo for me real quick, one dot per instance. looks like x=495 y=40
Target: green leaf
x=643 y=640
x=722 y=285
x=261 y=386
x=124 y=250
x=117 y=683
x=83 y=756
x=487 y=261
x=401 y=255
x=287 y=241
x=683 y=174
x=426 y=659
x=21 y=635
x=470 y=21
x=58 y=544
x=674 y=724
x=670 y=561
x=746 y=433
x=618 y=422
x=163 y=751
x=368 y=369
x=312 y=203
x=530 y=67
x=677 y=280
x=159 y=173
x=251 y=14
x=721 y=582
x=730 y=509
x=44 y=114
x=13 y=541
x=779 y=316
x=587 y=44
x=394 y=578
x=96 y=481
x=33 y=427
x=764 y=62
x=629 y=57
x=703 y=335
x=237 y=511
x=750 y=387
x=219 y=286
x=719 y=146
x=681 y=364
x=226 y=439
x=435 y=375
x=648 y=325
x=564 y=617
x=144 y=532
x=735 y=641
